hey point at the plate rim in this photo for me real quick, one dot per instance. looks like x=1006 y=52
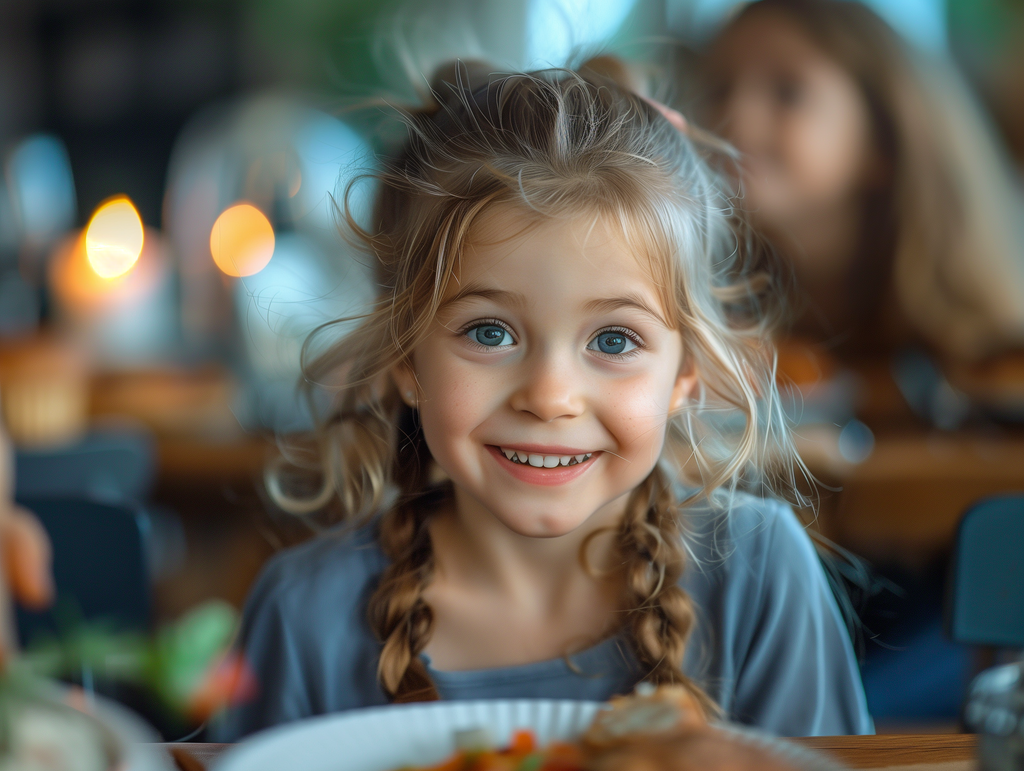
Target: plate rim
x=235 y=758
x=259 y=739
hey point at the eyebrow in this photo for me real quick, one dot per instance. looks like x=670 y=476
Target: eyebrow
x=629 y=301
x=518 y=300
x=500 y=296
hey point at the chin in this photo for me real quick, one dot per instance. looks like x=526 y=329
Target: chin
x=543 y=525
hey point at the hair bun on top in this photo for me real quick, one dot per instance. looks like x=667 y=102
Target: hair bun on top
x=456 y=80
x=453 y=81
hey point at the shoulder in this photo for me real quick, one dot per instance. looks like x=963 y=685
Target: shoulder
x=334 y=569
x=749 y=560
x=304 y=633
x=777 y=653
x=746 y=533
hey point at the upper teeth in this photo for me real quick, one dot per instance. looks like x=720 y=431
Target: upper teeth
x=545 y=461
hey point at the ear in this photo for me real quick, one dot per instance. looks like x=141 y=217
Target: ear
x=686 y=381
x=404 y=378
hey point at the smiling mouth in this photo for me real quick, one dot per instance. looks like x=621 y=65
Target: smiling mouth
x=544 y=461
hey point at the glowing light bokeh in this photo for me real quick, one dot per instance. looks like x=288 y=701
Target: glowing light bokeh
x=242 y=240
x=114 y=238
x=79 y=291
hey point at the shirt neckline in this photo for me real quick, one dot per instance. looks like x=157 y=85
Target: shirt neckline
x=609 y=653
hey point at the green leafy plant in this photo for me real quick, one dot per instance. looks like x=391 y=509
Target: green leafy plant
x=187 y=665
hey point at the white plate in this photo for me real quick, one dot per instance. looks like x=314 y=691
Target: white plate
x=388 y=738
x=129 y=740
x=136 y=736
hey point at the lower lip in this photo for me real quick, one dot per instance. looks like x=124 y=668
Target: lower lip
x=533 y=475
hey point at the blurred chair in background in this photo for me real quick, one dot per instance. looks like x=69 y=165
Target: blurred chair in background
x=99 y=565
x=922 y=673
x=115 y=467
x=986 y=594
x=109 y=466
x=915 y=677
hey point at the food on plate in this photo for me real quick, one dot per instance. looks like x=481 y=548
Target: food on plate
x=707 y=749
x=522 y=754
x=659 y=729
x=649 y=711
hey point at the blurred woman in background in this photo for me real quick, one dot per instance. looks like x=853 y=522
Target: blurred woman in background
x=874 y=175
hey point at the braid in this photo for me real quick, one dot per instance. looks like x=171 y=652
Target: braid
x=397 y=613
x=661 y=615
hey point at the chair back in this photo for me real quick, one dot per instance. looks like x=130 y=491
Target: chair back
x=111 y=465
x=99 y=565
x=986 y=597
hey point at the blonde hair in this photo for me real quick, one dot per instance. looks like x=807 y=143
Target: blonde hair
x=553 y=144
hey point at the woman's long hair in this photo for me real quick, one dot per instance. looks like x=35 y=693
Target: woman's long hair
x=552 y=144
x=945 y=235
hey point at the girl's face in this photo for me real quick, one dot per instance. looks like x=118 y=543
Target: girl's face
x=552 y=348
x=799 y=119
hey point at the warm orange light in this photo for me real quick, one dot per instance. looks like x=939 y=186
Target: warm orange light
x=113 y=240
x=242 y=240
x=78 y=289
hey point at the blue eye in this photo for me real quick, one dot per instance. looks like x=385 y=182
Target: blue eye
x=612 y=342
x=490 y=335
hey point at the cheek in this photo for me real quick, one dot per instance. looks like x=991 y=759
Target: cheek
x=455 y=401
x=825 y=147
x=825 y=165
x=636 y=411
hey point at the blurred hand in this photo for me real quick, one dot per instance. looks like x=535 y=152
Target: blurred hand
x=24 y=551
x=26 y=558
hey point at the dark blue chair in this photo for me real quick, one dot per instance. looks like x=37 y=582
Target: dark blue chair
x=931 y=653
x=110 y=465
x=912 y=672
x=106 y=465
x=986 y=594
x=99 y=565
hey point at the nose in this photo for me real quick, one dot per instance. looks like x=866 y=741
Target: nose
x=550 y=388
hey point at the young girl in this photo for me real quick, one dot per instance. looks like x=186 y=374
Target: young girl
x=562 y=283
x=870 y=169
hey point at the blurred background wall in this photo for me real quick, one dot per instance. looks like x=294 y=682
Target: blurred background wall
x=118 y=79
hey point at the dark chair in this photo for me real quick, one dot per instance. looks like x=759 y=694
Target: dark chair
x=912 y=672
x=113 y=466
x=105 y=465
x=99 y=565
x=986 y=593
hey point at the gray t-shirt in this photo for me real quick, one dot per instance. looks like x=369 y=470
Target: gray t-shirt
x=769 y=646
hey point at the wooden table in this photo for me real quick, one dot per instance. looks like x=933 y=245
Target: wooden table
x=196 y=461
x=895 y=750
x=947 y=752
x=905 y=500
